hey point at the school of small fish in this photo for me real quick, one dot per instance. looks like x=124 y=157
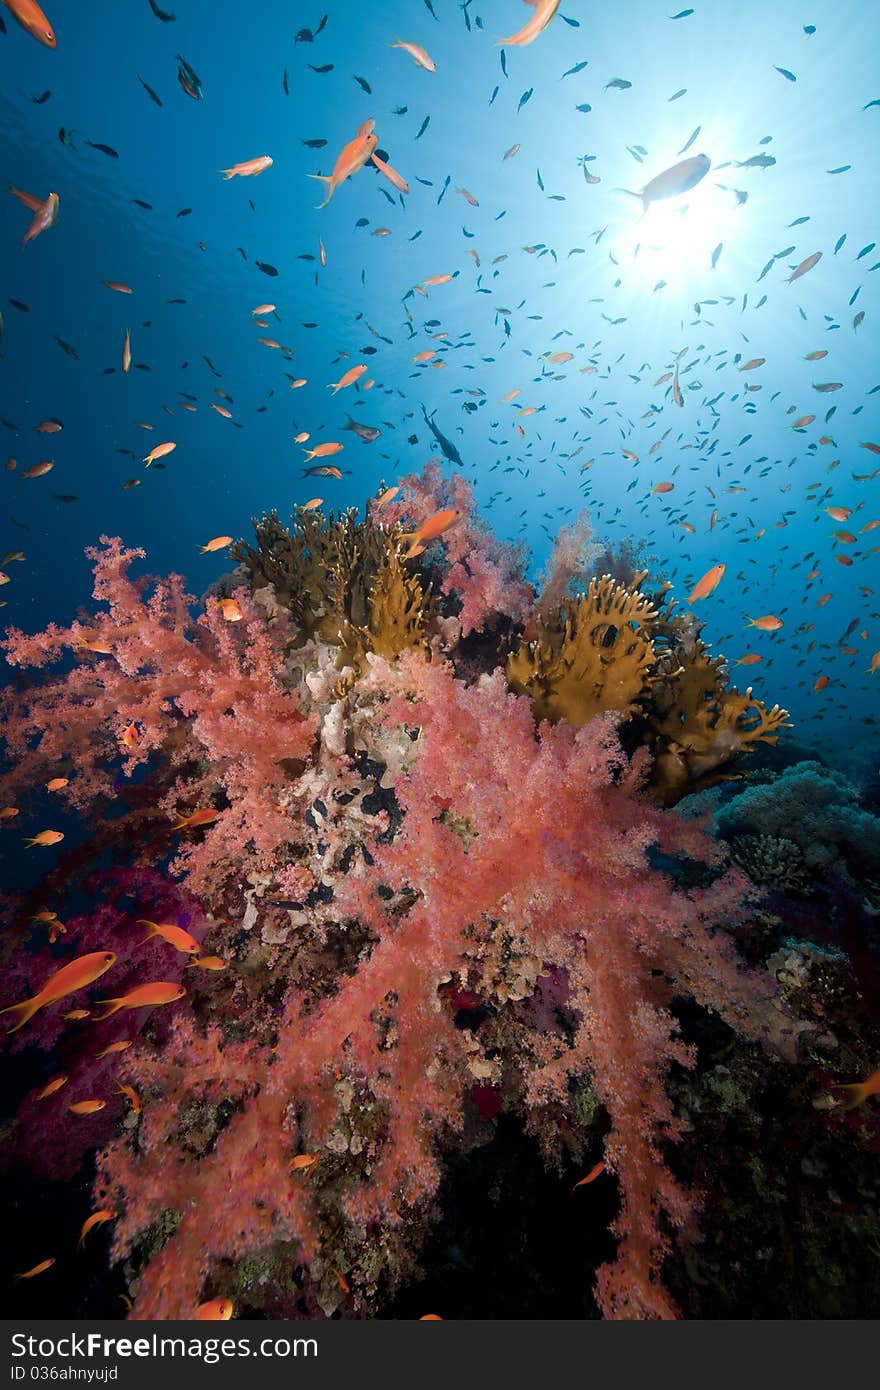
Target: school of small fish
x=479 y=311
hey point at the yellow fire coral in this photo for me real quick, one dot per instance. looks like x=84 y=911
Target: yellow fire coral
x=343 y=580
x=699 y=724
x=592 y=653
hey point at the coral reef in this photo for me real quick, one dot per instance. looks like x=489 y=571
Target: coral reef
x=425 y=902
x=772 y=860
x=816 y=807
x=342 y=580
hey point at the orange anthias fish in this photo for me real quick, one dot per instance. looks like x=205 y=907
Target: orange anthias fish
x=353 y=157
x=593 y=1174
x=417 y=53
x=159 y=452
x=31 y=17
x=37 y=1269
x=144 y=997
x=206 y=816
x=218 y=543
x=45 y=837
x=126 y=351
x=45 y=212
x=710 y=580
x=430 y=530
x=86 y=1107
x=218 y=1310
x=395 y=179
x=544 y=12
x=769 y=623
x=209 y=962
x=174 y=936
x=349 y=378
x=248 y=166
x=51 y=1087
x=326 y=450
x=303 y=1163
x=859 y=1091
x=71 y=977
x=96 y=1219
x=230 y=610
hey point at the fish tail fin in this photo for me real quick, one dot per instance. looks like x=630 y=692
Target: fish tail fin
x=115 y=1005
x=145 y=922
x=858 y=1092
x=333 y=385
x=27 y=1008
x=324 y=178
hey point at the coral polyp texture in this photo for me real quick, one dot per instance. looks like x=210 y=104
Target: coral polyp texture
x=412 y=815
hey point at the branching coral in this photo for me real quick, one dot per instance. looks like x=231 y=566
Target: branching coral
x=342 y=580
x=615 y=648
x=700 y=724
x=593 y=654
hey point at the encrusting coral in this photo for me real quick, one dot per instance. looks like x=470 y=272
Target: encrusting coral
x=372 y=845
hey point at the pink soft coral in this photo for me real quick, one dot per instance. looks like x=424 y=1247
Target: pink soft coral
x=202 y=693
x=486 y=574
x=557 y=845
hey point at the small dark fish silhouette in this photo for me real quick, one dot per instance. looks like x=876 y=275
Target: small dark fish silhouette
x=105 y=149
x=314 y=144
x=578 y=67
x=66 y=138
x=164 y=15
x=524 y=98
x=327 y=67
x=66 y=496
x=141 y=204
x=18 y=304
x=789 y=76
x=184 y=212
x=284 y=84
x=423 y=127
x=362 y=82
x=148 y=89
x=619 y=82
x=67 y=347
x=38 y=101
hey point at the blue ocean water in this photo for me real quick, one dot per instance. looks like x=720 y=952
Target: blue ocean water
x=562 y=265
